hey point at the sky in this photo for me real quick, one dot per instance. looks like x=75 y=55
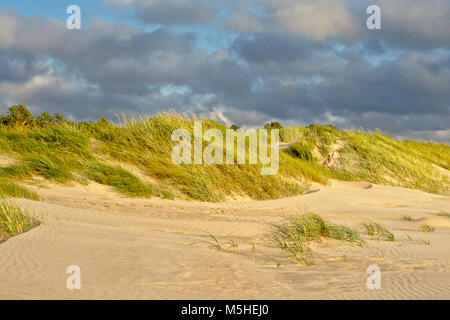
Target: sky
x=245 y=61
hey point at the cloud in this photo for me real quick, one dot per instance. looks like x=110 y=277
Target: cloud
x=317 y=19
x=170 y=11
x=293 y=72
x=405 y=23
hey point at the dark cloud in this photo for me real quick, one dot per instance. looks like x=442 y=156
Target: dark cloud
x=17 y=66
x=274 y=48
x=405 y=23
x=291 y=73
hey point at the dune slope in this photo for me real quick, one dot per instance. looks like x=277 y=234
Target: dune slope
x=161 y=249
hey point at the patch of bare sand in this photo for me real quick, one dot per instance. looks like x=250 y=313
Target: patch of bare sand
x=161 y=249
x=7 y=160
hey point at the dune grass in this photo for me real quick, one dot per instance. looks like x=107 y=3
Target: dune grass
x=443 y=214
x=427 y=228
x=377 y=158
x=295 y=235
x=376 y=230
x=14 y=220
x=12 y=189
x=76 y=151
x=63 y=151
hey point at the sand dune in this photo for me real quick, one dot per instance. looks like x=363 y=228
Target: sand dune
x=161 y=249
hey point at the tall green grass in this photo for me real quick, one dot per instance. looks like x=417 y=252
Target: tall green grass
x=68 y=151
x=295 y=235
x=14 y=220
x=63 y=151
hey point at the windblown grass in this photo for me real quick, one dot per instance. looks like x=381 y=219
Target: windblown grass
x=12 y=189
x=63 y=151
x=427 y=228
x=295 y=235
x=14 y=220
x=231 y=244
x=374 y=229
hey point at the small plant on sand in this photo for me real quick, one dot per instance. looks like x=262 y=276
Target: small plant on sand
x=443 y=214
x=421 y=241
x=14 y=220
x=407 y=218
x=12 y=189
x=427 y=228
x=233 y=245
x=374 y=229
x=219 y=246
x=63 y=151
x=296 y=233
x=216 y=244
x=253 y=250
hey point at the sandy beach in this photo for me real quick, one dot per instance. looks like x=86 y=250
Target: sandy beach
x=163 y=249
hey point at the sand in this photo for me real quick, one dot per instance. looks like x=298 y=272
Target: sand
x=161 y=249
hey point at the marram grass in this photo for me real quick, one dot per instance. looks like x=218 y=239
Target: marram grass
x=14 y=220
x=64 y=151
x=376 y=230
x=295 y=235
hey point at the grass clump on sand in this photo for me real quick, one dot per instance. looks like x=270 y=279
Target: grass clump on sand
x=12 y=189
x=14 y=220
x=427 y=228
x=374 y=157
x=63 y=151
x=296 y=234
x=443 y=214
x=374 y=229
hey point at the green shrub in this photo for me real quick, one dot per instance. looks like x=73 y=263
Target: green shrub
x=12 y=189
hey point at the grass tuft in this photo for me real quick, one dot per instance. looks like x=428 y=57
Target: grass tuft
x=443 y=214
x=427 y=228
x=374 y=229
x=61 y=151
x=296 y=233
x=12 y=189
x=14 y=220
